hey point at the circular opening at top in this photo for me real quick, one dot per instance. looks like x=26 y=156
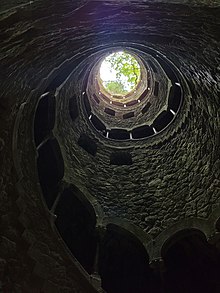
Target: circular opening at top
x=120 y=73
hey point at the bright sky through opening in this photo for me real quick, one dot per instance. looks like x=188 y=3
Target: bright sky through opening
x=108 y=73
x=119 y=73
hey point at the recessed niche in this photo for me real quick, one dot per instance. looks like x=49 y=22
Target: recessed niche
x=117 y=103
x=119 y=134
x=128 y=115
x=143 y=95
x=146 y=108
x=142 y=132
x=121 y=158
x=124 y=263
x=97 y=123
x=87 y=144
x=50 y=169
x=76 y=224
x=109 y=111
x=73 y=108
x=132 y=103
x=105 y=98
x=192 y=264
x=174 y=98
x=44 y=118
x=87 y=104
x=156 y=88
x=162 y=120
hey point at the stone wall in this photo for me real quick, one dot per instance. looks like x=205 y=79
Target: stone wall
x=173 y=177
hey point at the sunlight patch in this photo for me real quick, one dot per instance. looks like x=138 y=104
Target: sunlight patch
x=120 y=73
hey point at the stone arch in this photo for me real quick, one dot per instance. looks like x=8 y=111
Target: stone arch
x=178 y=236
x=44 y=119
x=136 y=231
x=155 y=247
x=76 y=223
x=191 y=263
x=50 y=166
x=124 y=262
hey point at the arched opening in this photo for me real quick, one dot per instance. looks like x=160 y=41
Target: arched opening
x=123 y=263
x=174 y=98
x=192 y=264
x=162 y=120
x=76 y=222
x=44 y=119
x=142 y=131
x=87 y=144
x=119 y=134
x=50 y=169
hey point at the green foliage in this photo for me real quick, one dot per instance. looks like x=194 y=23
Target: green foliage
x=115 y=87
x=127 y=73
x=126 y=65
